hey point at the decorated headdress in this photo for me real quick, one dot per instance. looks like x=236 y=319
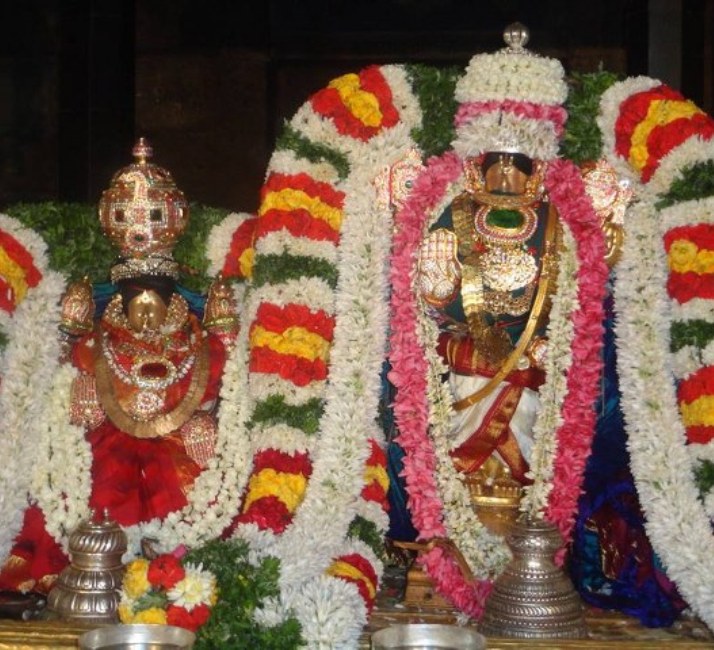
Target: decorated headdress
x=511 y=100
x=144 y=214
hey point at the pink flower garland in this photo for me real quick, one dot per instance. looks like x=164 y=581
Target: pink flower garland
x=554 y=114
x=409 y=376
x=410 y=368
x=574 y=437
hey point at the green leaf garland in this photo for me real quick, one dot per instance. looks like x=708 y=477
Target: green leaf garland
x=273 y=269
x=582 y=141
x=275 y=409
x=313 y=151
x=694 y=182
x=243 y=588
x=434 y=88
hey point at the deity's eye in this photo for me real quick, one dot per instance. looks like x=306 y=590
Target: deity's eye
x=119 y=216
x=408 y=184
x=156 y=214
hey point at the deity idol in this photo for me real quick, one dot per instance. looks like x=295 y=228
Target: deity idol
x=145 y=379
x=487 y=269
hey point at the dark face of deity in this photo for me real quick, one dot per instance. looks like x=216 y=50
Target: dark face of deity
x=506 y=173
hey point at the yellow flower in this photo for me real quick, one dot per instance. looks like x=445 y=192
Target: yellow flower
x=639 y=156
x=660 y=112
x=295 y=340
x=13 y=274
x=126 y=612
x=362 y=104
x=245 y=262
x=287 y=487
x=135 y=581
x=153 y=616
x=682 y=254
x=704 y=262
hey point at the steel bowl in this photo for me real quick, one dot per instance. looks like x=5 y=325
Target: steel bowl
x=427 y=636
x=137 y=637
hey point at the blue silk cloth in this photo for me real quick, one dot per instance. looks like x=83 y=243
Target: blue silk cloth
x=612 y=562
x=103 y=292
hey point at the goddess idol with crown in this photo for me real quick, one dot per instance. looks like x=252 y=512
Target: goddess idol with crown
x=131 y=422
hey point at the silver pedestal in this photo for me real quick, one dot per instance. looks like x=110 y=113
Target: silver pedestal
x=533 y=598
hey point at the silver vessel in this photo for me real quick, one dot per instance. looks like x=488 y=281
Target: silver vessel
x=88 y=589
x=533 y=598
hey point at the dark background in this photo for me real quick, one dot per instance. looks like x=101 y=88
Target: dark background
x=210 y=82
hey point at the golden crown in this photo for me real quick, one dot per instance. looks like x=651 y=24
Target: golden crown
x=144 y=214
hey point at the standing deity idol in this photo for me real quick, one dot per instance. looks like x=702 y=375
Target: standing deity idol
x=488 y=266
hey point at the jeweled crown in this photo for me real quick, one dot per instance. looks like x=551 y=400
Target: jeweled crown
x=144 y=214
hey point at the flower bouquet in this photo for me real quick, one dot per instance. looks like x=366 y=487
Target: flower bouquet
x=166 y=591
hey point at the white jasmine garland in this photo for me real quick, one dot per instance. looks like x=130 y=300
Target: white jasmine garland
x=331 y=612
x=557 y=364
x=676 y=521
x=536 y=137
x=695 y=309
x=282 y=242
x=27 y=372
x=692 y=151
x=371 y=511
x=688 y=360
x=218 y=244
x=686 y=214
x=62 y=495
x=403 y=96
x=509 y=75
x=265 y=384
x=701 y=452
x=284 y=161
x=314 y=292
x=288 y=439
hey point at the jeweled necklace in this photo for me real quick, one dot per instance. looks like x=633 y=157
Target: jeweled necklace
x=139 y=374
x=505 y=235
x=150 y=426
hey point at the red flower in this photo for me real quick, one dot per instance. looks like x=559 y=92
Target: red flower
x=165 y=571
x=268 y=513
x=192 y=620
x=296 y=463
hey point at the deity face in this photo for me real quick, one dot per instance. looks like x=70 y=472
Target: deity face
x=146 y=311
x=503 y=176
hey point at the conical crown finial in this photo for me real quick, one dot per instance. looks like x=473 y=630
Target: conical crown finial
x=142 y=151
